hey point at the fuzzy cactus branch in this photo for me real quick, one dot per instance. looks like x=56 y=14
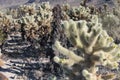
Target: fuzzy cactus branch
x=68 y=53
x=96 y=46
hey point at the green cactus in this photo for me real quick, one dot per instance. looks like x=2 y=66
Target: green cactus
x=94 y=43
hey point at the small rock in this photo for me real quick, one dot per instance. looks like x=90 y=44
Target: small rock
x=1 y=63
x=3 y=77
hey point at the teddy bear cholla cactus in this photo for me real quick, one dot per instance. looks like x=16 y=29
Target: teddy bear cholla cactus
x=5 y=22
x=96 y=47
x=27 y=9
x=41 y=19
x=43 y=14
x=76 y=13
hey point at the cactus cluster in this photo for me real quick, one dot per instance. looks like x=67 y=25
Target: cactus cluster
x=4 y=25
x=78 y=13
x=35 y=18
x=40 y=21
x=95 y=45
x=82 y=27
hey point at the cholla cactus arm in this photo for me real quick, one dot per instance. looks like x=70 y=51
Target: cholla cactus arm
x=68 y=62
x=92 y=40
x=23 y=20
x=78 y=34
x=89 y=76
x=68 y=53
x=94 y=20
x=72 y=32
x=30 y=19
x=102 y=41
x=45 y=5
